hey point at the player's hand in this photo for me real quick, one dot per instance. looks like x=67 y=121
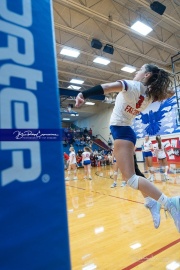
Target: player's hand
x=79 y=100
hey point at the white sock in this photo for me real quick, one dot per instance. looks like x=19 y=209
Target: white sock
x=163 y=199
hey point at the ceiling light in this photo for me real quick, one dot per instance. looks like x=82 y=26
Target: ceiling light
x=141 y=28
x=66 y=119
x=135 y=246
x=89 y=103
x=70 y=52
x=74 y=87
x=172 y=266
x=129 y=69
x=101 y=60
x=76 y=81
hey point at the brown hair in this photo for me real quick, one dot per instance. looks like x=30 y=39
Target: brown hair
x=158 y=139
x=159 y=84
x=87 y=149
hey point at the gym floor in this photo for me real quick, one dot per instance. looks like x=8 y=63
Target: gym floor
x=110 y=228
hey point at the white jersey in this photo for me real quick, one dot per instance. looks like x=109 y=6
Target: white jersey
x=147 y=146
x=72 y=158
x=160 y=153
x=129 y=103
x=86 y=155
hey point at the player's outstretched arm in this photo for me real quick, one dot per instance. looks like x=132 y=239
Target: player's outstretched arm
x=102 y=89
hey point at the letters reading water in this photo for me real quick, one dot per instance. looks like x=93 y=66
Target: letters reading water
x=13 y=100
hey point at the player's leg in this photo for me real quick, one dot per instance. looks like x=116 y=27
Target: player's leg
x=115 y=175
x=89 y=171
x=124 y=157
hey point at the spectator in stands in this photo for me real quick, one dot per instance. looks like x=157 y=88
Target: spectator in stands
x=85 y=131
x=90 y=143
x=88 y=138
x=90 y=132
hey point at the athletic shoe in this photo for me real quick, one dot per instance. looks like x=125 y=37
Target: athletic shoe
x=123 y=184
x=173 y=208
x=166 y=177
x=90 y=178
x=154 y=207
x=67 y=178
x=145 y=172
x=85 y=177
x=151 y=178
x=75 y=178
x=114 y=185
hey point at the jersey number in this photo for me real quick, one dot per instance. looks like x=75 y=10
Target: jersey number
x=140 y=101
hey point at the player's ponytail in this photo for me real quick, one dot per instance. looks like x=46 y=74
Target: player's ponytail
x=158 y=139
x=159 y=84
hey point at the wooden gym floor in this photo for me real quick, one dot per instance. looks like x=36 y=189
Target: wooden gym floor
x=104 y=224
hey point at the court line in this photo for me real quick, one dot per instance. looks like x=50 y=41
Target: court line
x=107 y=194
x=150 y=256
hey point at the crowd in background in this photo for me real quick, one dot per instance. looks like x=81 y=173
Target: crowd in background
x=98 y=158
x=77 y=136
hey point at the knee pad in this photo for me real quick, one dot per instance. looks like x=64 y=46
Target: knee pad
x=167 y=167
x=69 y=172
x=75 y=171
x=133 y=181
x=115 y=173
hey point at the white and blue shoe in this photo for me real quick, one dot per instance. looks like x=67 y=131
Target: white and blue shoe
x=154 y=207
x=173 y=208
x=166 y=177
x=114 y=185
x=151 y=178
x=123 y=184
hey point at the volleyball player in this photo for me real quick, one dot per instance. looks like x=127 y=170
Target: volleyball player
x=149 y=84
x=147 y=151
x=161 y=156
x=86 y=161
x=115 y=171
x=72 y=164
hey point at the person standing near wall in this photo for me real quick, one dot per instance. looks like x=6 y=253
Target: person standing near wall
x=148 y=156
x=72 y=164
x=86 y=161
x=161 y=156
